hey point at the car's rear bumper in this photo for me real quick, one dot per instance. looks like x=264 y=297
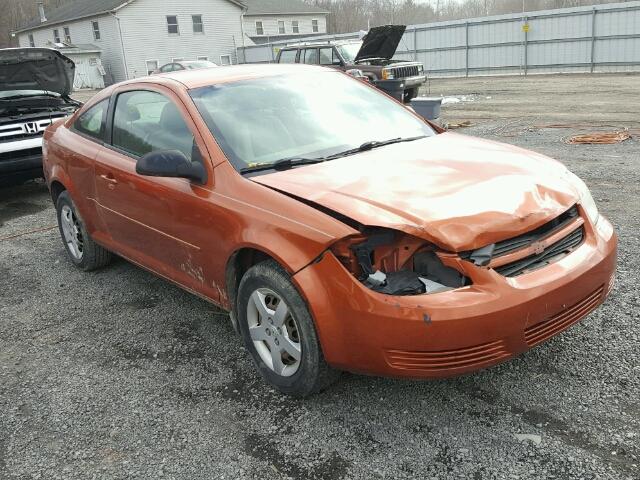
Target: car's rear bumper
x=458 y=331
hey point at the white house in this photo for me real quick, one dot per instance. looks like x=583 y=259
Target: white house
x=269 y=20
x=135 y=37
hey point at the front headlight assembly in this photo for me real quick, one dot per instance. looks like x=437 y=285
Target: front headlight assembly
x=586 y=199
x=387 y=74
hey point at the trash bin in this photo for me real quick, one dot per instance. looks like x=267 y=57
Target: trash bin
x=427 y=107
x=394 y=88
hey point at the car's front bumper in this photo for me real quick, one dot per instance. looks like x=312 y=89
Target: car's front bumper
x=21 y=165
x=398 y=86
x=416 y=81
x=458 y=331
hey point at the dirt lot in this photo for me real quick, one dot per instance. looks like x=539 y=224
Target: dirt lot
x=117 y=374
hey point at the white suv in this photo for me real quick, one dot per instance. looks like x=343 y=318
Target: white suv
x=35 y=84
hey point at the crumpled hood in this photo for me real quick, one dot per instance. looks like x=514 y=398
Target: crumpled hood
x=381 y=42
x=36 y=69
x=458 y=192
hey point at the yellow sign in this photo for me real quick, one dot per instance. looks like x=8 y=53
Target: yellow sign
x=525 y=27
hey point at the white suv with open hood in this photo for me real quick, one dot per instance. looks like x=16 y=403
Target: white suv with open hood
x=35 y=84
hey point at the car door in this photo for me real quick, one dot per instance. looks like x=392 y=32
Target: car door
x=160 y=223
x=79 y=149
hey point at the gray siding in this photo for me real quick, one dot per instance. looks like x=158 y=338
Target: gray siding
x=82 y=32
x=270 y=24
x=602 y=38
x=144 y=31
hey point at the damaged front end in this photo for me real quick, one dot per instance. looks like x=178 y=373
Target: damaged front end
x=395 y=263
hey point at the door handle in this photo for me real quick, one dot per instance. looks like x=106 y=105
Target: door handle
x=109 y=178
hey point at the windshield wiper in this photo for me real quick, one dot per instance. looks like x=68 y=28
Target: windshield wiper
x=287 y=163
x=371 y=145
x=282 y=164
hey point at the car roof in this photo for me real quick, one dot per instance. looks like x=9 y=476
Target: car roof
x=319 y=44
x=232 y=73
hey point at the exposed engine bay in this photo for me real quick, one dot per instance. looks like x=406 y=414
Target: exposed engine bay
x=43 y=104
x=395 y=263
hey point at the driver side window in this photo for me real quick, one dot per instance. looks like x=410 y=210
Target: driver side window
x=146 y=121
x=328 y=56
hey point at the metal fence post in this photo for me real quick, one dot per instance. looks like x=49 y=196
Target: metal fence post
x=415 y=43
x=466 y=49
x=526 y=39
x=593 y=39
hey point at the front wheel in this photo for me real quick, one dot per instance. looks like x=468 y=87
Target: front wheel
x=410 y=94
x=279 y=332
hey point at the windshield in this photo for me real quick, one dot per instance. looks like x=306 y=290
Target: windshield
x=25 y=93
x=306 y=115
x=349 y=51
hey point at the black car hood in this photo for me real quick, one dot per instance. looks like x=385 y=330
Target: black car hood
x=381 y=42
x=36 y=69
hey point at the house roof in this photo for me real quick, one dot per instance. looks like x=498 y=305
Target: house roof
x=77 y=9
x=73 y=10
x=279 y=7
x=79 y=48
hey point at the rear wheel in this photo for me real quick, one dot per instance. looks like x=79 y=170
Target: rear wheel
x=81 y=249
x=279 y=332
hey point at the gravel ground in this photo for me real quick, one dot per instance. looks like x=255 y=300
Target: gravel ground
x=118 y=374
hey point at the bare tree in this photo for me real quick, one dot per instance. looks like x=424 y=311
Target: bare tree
x=15 y=13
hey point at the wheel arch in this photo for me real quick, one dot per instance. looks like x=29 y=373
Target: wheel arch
x=238 y=263
x=58 y=182
x=56 y=188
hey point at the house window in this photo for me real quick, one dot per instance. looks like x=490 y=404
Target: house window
x=172 y=25
x=174 y=60
x=96 y=30
x=152 y=66
x=67 y=35
x=198 y=26
x=281 y=27
x=32 y=42
x=56 y=36
x=203 y=59
x=259 y=28
x=294 y=26
x=225 y=59
x=314 y=26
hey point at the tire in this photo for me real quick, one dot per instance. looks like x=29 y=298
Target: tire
x=85 y=254
x=269 y=282
x=410 y=94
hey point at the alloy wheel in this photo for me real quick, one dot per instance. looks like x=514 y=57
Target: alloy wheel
x=274 y=332
x=71 y=232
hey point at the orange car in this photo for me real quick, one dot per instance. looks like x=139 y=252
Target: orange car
x=340 y=230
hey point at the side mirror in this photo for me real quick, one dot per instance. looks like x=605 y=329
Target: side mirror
x=171 y=163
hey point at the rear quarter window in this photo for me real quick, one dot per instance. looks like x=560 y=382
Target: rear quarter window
x=288 y=56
